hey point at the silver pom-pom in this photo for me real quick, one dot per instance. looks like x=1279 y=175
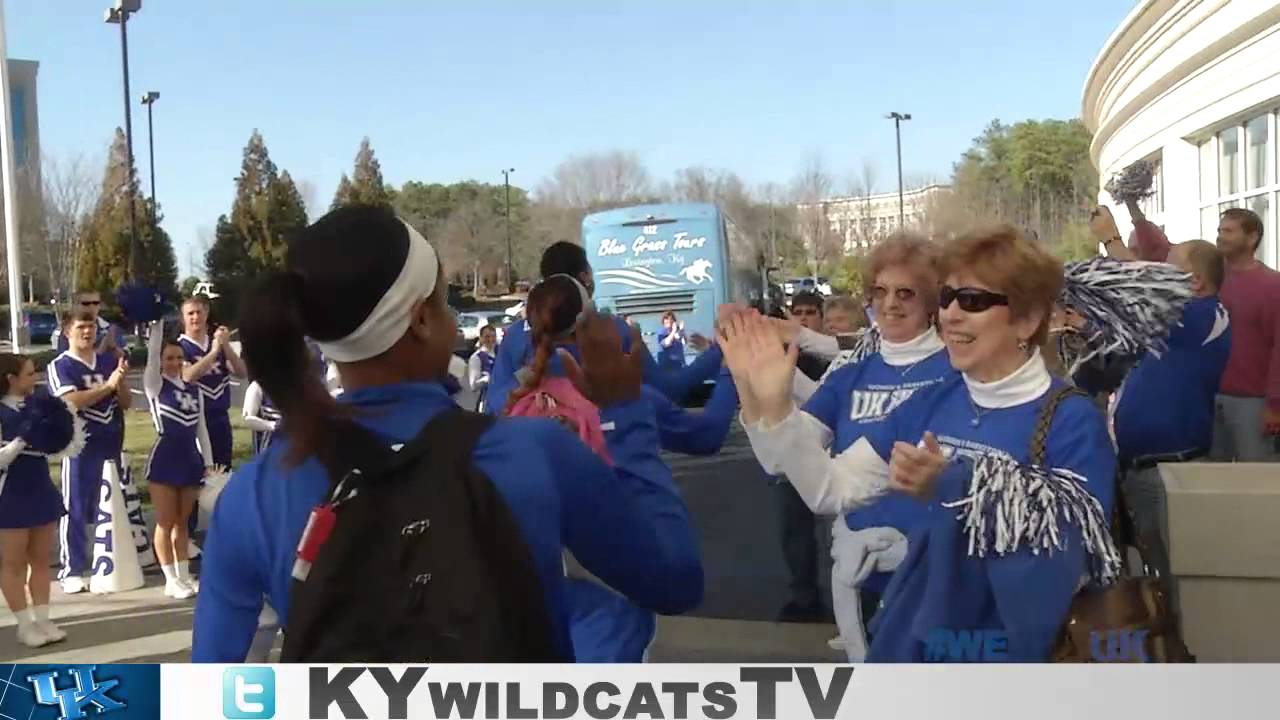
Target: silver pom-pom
x=1011 y=505
x=79 y=436
x=212 y=488
x=856 y=347
x=1133 y=183
x=1131 y=306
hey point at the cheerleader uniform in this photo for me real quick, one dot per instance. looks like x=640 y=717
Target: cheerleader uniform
x=182 y=449
x=27 y=496
x=215 y=397
x=261 y=415
x=479 y=370
x=82 y=475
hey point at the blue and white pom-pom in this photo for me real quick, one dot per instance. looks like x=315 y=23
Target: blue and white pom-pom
x=1133 y=183
x=1131 y=305
x=856 y=347
x=1011 y=505
x=141 y=304
x=52 y=426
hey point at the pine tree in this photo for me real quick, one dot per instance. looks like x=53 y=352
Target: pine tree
x=106 y=248
x=343 y=195
x=365 y=185
x=252 y=239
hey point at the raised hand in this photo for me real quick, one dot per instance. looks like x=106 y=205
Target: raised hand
x=772 y=366
x=607 y=375
x=788 y=328
x=914 y=470
x=221 y=336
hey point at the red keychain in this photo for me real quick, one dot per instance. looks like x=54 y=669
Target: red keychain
x=319 y=526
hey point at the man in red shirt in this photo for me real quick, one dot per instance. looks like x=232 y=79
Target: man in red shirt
x=1247 y=418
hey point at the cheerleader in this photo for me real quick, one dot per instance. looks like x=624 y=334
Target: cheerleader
x=178 y=459
x=96 y=384
x=210 y=365
x=29 y=505
x=260 y=415
x=480 y=366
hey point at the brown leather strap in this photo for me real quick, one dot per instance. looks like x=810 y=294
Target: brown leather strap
x=1039 y=438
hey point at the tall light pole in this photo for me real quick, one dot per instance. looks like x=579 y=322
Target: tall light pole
x=898 y=118
x=150 y=99
x=8 y=175
x=119 y=15
x=506 y=184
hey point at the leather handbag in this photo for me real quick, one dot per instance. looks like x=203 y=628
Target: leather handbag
x=1131 y=620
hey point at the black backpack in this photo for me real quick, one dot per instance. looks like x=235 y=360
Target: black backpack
x=425 y=562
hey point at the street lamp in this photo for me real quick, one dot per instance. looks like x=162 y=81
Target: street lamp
x=119 y=15
x=506 y=184
x=898 y=118
x=150 y=99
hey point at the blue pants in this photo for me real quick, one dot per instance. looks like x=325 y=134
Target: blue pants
x=219 y=424
x=81 y=489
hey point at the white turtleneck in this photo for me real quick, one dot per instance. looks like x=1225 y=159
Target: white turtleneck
x=800 y=445
x=896 y=354
x=911 y=351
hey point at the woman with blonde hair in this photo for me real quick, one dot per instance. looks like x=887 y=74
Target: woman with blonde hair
x=1025 y=467
x=857 y=394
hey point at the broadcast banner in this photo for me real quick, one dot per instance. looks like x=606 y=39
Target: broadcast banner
x=636 y=692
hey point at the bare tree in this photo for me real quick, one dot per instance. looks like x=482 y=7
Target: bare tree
x=862 y=185
x=71 y=190
x=597 y=181
x=810 y=189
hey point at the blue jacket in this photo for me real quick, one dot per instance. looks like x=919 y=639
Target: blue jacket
x=515 y=351
x=627 y=525
x=688 y=433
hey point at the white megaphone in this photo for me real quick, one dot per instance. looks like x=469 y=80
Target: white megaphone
x=115 y=555
x=133 y=507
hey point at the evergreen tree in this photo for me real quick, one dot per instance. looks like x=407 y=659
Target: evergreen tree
x=343 y=194
x=252 y=239
x=106 y=247
x=365 y=185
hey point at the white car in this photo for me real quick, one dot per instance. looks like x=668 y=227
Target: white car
x=471 y=322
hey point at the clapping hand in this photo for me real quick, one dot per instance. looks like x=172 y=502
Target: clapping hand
x=119 y=374
x=221 y=336
x=914 y=470
x=760 y=365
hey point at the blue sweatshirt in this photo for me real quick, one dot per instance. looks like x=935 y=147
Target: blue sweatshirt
x=1166 y=404
x=627 y=525
x=860 y=396
x=688 y=433
x=940 y=586
x=606 y=627
x=515 y=351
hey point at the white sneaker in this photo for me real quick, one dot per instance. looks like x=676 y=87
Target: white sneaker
x=193 y=550
x=191 y=584
x=73 y=584
x=32 y=636
x=177 y=590
x=51 y=631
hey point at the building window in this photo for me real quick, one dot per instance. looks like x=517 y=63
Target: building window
x=1153 y=205
x=1258 y=142
x=1228 y=161
x=1238 y=168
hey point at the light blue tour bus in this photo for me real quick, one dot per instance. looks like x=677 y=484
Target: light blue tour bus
x=688 y=258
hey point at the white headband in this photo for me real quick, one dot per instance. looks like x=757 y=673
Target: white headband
x=586 y=305
x=390 y=318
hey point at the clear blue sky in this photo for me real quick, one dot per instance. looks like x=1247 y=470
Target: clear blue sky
x=461 y=90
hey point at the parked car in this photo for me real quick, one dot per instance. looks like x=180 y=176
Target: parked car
x=40 y=325
x=472 y=322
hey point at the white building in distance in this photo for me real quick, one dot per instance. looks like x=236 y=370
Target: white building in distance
x=861 y=222
x=1193 y=87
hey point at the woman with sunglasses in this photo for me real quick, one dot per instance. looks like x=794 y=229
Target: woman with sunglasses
x=870 y=542
x=1015 y=542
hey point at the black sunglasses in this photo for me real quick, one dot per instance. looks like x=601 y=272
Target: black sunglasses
x=90 y=302
x=972 y=300
x=905 y=294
